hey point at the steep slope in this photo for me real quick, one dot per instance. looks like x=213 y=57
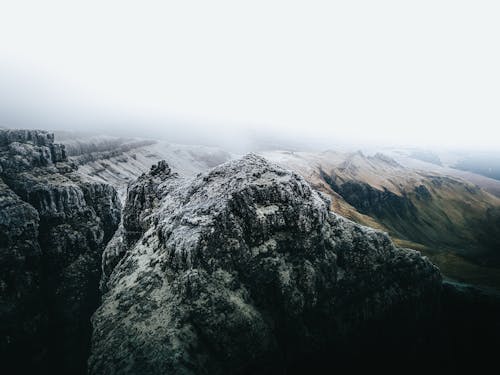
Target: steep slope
x=244 y=269
x=431 y=209
x=53 y=229
x=119 y=161
x=23 y=314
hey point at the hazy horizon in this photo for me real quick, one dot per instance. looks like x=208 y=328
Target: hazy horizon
x=361 y=73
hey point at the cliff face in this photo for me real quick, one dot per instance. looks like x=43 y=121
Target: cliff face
x=245 y=270
x=53 y=229
x=242 y=269
x=120 y=161
x=23 y=315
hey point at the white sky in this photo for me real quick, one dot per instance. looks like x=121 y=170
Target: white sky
x=424 y=72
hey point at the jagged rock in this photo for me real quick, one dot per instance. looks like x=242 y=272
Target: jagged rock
x=104 y=200
x=57 y=152
x=55 y=228
x=26 y=149
x=23 y=314
x=143 y=195
x=245 y=270
x=35 y=137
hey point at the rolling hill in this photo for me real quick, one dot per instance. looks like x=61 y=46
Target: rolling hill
x=454 y=221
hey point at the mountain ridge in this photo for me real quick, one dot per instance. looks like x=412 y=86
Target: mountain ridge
x=246 y=251
x=431 y=210
x=249 y=257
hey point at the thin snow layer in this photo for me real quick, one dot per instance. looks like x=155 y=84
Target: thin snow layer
x=379 y=171
x=393 y=171
x=119 y=170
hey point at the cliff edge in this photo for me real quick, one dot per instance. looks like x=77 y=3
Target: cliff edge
x=244 y=269
x=53 y=230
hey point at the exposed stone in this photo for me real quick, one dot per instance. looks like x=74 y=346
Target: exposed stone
x=26 y=149
x=54 y=227
x=239 y=270
x=34 y=137
x=245 y=270
x=23 y=314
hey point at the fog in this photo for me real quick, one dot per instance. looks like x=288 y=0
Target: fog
x=263 y=72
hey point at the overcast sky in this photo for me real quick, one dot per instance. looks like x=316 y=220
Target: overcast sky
x=411 y=72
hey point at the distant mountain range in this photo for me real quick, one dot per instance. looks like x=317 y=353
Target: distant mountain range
x=438 y=210
x=451 y=215
x=118 y=161
x=138 y=256
x=486 y=165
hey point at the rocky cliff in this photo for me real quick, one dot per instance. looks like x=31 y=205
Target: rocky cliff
x=120 y=161
x=244 y=269
x=53 y=229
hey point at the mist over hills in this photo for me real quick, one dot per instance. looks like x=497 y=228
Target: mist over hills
x=416 y=195
x=484 y=164
x=275 y=261
x=249 y=188
x=444 y=214
x=451 y=215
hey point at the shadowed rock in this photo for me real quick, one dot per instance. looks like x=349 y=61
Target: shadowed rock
x=53 y=229
x=245 y=270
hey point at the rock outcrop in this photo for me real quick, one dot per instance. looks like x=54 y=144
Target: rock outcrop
x=23 y=314
x=245 y=270
x=53 y=229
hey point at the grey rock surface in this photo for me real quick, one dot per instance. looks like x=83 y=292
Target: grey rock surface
x=23 y=315
x=53 y=229
x=244 y=269
x=143 y=195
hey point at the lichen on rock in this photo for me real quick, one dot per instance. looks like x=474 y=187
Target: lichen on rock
x=244 y=269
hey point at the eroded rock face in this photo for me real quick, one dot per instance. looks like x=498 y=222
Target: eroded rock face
x=143 y=195
x=26 y=149
x=53 y=229
x=23 y=315
x=245 y=270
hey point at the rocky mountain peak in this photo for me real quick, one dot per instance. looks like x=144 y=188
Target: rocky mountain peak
x=160 y=168
x=244 y=269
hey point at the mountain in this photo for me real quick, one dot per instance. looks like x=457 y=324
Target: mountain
x=207 y=263
x=119 y=161
x=449 y=214
x=54 y=227
x=60 y=204
x=449 y=218
x=486 y=164
x=244 y=269
x=450 y=163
